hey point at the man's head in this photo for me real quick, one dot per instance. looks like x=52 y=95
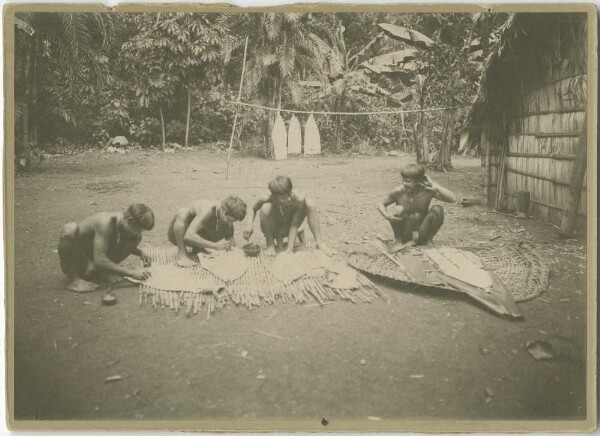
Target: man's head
x=281 y=188
x=138 y=217
x=413 y=176
x=232 y=209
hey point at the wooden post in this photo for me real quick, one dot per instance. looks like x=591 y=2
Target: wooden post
x=237 y=109
x=162 y=125
x=577 y=177
x=189 y=112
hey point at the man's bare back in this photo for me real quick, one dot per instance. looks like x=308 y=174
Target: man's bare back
x=204 y=224
x=93 y=248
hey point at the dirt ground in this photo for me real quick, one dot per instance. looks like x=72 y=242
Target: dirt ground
x=416 y=356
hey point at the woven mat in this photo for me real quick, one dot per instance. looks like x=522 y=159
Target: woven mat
x=519 y=267
x=255 y=287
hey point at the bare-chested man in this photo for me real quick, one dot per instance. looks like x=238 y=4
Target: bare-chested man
x=282 y=212
x=205 y=224
x=413 y=219
x=93 y=248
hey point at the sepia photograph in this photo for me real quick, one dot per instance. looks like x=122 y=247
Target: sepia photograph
x=300 y=218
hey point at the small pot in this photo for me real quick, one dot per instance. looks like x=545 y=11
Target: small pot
x=109 y=300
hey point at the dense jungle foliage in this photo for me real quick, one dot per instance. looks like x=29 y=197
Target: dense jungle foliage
x=164 y=78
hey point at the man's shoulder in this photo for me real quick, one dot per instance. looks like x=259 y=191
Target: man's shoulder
x=103 y=221
x=398 y=190
x=299 y=197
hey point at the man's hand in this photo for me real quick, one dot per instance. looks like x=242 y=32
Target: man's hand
x=393 y=218
x=146 y=258
x=429 y=184
x=247 y=233
x=140 y=275
x=223 y=245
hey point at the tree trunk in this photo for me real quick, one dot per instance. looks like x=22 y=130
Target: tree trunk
x=417 y=142
x=338 y=130
x=569 y=219
x=270 y=121
x=189 y=111
x=443 y=160
x=338 y=133
x=162 y=125
x=447 y=162
x=267 y=127
x=438 y=160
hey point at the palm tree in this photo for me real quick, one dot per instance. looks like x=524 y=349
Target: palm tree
x=279 y=54
x=59 y=58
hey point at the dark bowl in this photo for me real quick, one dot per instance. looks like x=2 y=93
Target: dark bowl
x=251 y=250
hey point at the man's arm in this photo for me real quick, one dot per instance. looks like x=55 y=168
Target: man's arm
x=192 y=237
x=146 y=259
x=102 y=235
x=252 y=215
x=441 y=193
x=389 y=199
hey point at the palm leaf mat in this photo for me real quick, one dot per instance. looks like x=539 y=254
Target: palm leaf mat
x=516 y=268
x=258 y=285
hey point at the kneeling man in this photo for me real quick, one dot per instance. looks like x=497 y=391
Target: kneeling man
x=92 y=249
x=205 y=224
x=413 y=219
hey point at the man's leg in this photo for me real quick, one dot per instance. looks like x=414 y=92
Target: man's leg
x=268 y=225
x=73 y=260
x=312 y=215
x=176 y=235
x=430 y=225
x=402 y=231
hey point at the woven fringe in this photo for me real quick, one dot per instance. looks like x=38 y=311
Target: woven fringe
x=257 y=286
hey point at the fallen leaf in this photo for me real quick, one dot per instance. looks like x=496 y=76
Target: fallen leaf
x=489 y=392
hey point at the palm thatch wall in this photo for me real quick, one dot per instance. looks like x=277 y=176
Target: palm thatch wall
x=531 y=109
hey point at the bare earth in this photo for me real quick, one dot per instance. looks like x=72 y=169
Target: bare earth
x=430 y=356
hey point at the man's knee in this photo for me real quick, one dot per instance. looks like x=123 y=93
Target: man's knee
x=70 y=231
x=437 y=211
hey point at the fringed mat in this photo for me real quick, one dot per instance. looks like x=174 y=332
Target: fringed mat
x=519 y=267
x=255 y=287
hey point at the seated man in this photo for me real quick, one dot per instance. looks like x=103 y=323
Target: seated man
x=93 y=248
x=282 y=212
x=205 y=224
x=413 y=219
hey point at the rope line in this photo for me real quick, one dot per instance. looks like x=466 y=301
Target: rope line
x=407 y=111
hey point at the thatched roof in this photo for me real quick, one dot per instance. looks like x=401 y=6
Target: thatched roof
x=508 y=34
x=508 y=58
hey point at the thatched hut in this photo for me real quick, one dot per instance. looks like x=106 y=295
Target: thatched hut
x=531 y=109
